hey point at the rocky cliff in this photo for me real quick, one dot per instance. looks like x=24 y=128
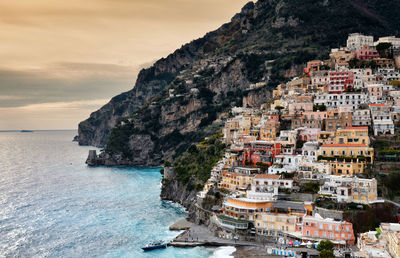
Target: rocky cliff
x=177 y=100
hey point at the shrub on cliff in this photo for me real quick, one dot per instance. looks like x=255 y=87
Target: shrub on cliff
x=196 y=163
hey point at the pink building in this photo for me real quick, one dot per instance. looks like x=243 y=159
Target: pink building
x=367 y=53
x=339 y=232
x=312 y=66
x=308 y=134
x=314 y=115
x=300 y=107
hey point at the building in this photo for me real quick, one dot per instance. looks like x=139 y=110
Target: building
x=244 y=208
x=341 y=57
x=350 y=189
x=312 y=66
x=347 y=168
x=236 y=182
x=332 y=101
x=381 y=119
x=269 y=128
x=318 y=228
x=370 y=244
x=264 y=180
x=319 y=78
x=340 y=81
x=390 y=39
x=375 y=92
x=350 y=135
x=367 y=53
x=260 y=152
x=389 y=74
x=337 y=120
x=356 y=41
x=351 y=151
x=276 y=224
x=391 y=234
x=266 y=187
x=361 y=117
x=313 y=170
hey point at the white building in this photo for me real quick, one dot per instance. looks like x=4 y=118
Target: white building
x=350 y=189
x=391 y=39
x=309 y=150
x=356 y=41
x=279 y=168
x=389 y=74
x=332 y=101
x=361 y=117
x=381 y=119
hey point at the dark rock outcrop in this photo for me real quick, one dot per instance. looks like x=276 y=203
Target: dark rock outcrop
x=176 y=191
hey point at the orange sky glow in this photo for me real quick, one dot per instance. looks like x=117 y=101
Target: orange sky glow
x=62 y=60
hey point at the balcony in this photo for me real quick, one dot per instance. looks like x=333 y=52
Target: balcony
x=233 y=223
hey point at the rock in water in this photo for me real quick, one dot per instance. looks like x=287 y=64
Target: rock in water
x=92 y=158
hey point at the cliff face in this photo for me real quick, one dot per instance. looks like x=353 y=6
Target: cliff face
x=176 y=191
x=177 y=100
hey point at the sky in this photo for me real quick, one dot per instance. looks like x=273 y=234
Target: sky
x=62 y=60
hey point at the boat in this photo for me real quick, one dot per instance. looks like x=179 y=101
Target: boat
x=155 y=245
x=26 y=131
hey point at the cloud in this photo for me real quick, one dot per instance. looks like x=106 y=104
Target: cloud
x=57 y=54
x=64 y=82
x=53 y=116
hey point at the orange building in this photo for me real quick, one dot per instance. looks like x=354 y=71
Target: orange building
x=318 y=228
x=244 y=208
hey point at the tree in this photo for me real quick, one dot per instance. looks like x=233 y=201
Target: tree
x=384 y=49
x=325 y=245
x=320 y=107
x=325 y=249
x=326 y=254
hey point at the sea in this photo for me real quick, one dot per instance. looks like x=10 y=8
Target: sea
x=53 y=205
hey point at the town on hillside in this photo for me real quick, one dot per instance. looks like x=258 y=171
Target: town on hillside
x=311 y=164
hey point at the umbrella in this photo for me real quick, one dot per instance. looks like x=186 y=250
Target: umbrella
x=296 y=242
x=303 y=243
x=290 y=242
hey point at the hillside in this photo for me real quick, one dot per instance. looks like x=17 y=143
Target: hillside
x=178 y=100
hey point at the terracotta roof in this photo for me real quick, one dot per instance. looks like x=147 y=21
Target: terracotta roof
x=377 y=105
x=344 y=145
x=357 y=128
x=267 y=176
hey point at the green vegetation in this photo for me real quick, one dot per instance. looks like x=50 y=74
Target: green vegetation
x=325 y=249
x=309 y=187
x=357 y=63
x=391 y=184
x=254 y=66
x=318 y=107
x=384 y=50
x=118 y=142
x=196 y=163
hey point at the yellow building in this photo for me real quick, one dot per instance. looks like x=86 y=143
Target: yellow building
x=233 y=182
x=365 y=190
x=347 y=150
x=393 y=243
x=352 y=135
x=347 y=168
x=275 y=224
x=326 y=137
x=269 y=130
x=280 y=90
